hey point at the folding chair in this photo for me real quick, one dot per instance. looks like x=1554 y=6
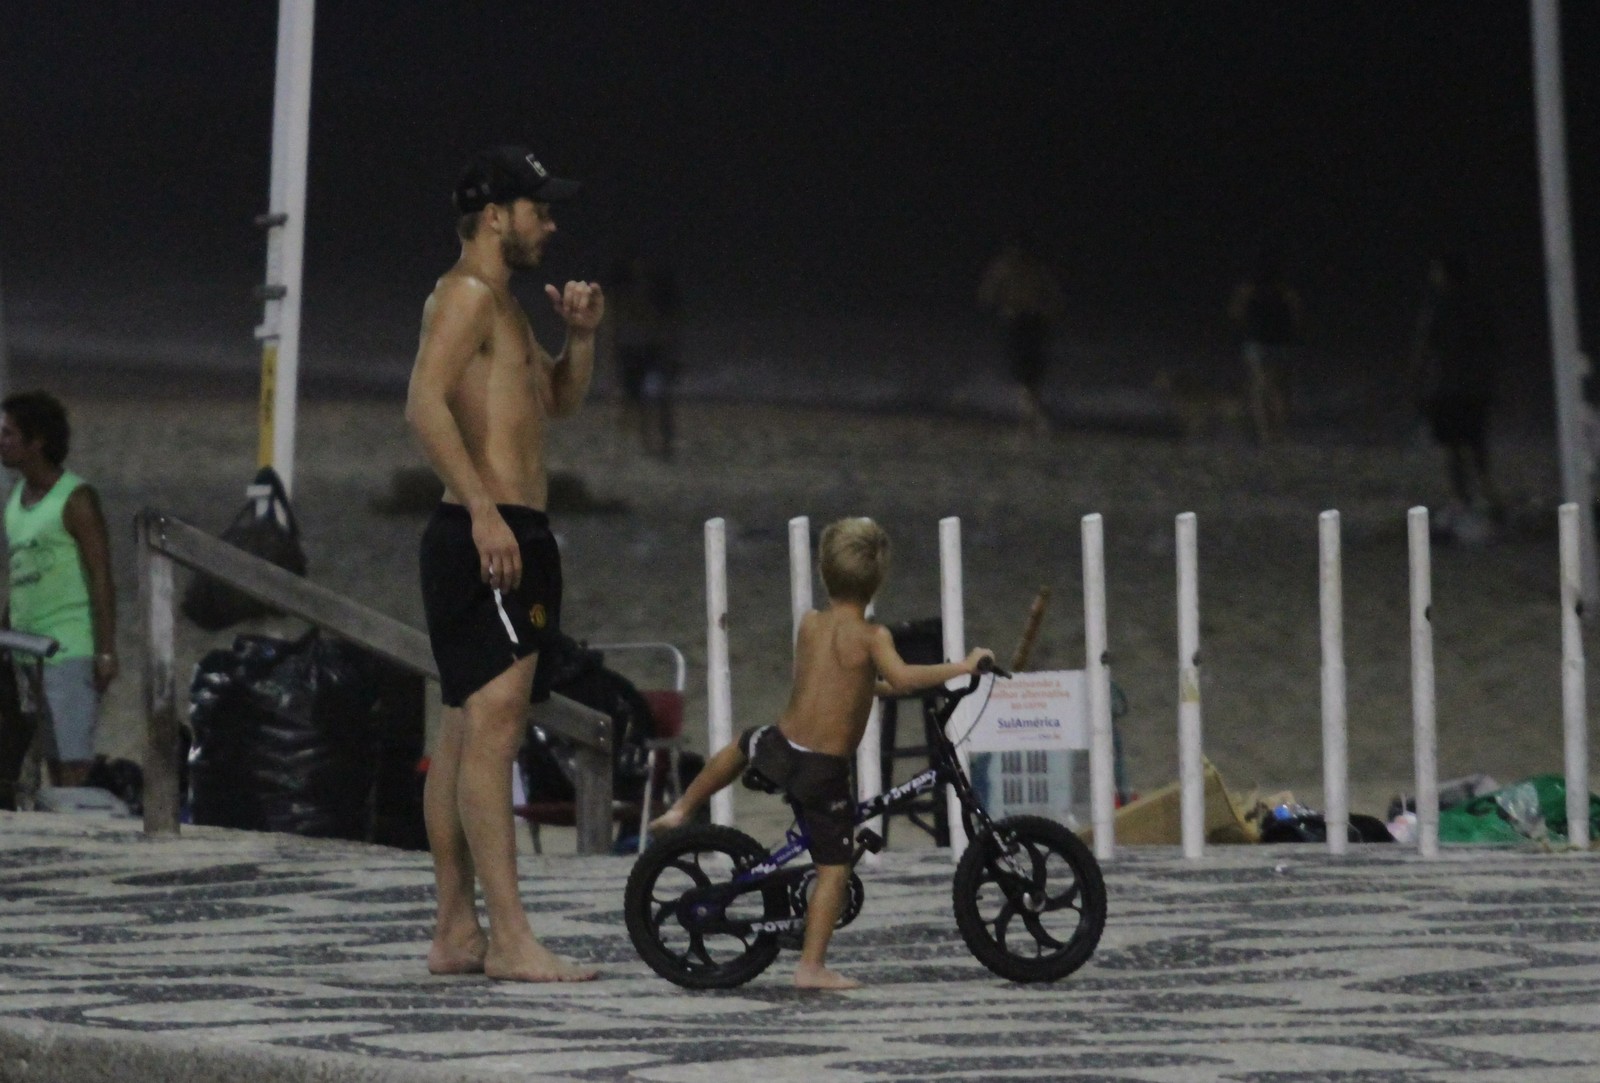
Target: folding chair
x=666 y=734
x=666 y=729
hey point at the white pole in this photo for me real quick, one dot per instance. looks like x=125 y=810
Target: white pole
x=1561 y=294
x=1425 y=737
x=1191 y=768
x=1102 y=756
x=869 y=768
x=1335 y=736
x=1574 y=711
x=719 y=680
x=953 y=617
x=285 y=222
x=800 y=590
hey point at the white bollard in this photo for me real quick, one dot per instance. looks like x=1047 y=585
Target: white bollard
x=719 y=680
x=1335 y=735
x=800 y=591
x=1425 y=736
x=1191 y=768
x=953 y=617
x=1574 y=710
x=1102 y=754
x=869 y=768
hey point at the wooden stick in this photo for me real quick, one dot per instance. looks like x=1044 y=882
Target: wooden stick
x=1030 y=632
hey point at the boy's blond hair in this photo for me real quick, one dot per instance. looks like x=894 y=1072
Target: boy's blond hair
x=854 y=559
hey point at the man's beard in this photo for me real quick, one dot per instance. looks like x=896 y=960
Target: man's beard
x=519 y=254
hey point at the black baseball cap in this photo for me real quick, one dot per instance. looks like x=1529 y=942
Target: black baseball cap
x=507 y=173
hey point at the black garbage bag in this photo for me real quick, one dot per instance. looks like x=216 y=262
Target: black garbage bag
x=265 y=528
x=286 y=736
x=397 y=816
x=1293 y=823
x=579 y=672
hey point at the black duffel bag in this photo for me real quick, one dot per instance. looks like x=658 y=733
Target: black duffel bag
x=578 y=671
x=263 y=527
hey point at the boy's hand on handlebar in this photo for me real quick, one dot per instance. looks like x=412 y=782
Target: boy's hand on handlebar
x=981 y=661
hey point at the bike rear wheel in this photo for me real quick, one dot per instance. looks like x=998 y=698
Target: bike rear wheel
x=681 y=861
x=1029 y=900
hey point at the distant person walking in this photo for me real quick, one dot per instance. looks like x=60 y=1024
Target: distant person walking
x=483 y=392
x=643 y=299
x=1455 y=361
x=1266 y=311
x=1019 y=287
x=61 y=586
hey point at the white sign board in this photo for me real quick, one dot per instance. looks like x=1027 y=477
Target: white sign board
x=1034 y=712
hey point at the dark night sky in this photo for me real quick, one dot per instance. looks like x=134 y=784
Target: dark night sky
x=821 y=160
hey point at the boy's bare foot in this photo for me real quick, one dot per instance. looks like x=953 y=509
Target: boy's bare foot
x=807 y=976
x=458 y=955
x=669 y=819
x=533 y=962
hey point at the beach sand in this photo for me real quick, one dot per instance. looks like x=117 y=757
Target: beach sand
x=635 y=570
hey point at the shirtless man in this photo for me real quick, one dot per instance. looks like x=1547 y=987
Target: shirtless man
x=482 y=392
x=840 y=660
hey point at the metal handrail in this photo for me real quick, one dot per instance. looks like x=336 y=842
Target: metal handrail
x=165 y=541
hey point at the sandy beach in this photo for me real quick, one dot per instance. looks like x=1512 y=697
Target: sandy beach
x=635 y=563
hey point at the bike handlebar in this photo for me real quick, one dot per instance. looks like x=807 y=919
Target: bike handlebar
x=987 y=666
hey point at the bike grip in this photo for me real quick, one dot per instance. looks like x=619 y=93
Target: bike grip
x=989 y=665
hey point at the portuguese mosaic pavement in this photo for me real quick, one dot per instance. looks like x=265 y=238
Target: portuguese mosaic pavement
x=301 y=959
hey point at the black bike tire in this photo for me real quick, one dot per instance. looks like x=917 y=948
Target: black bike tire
x=638 y=904
x=970 y=875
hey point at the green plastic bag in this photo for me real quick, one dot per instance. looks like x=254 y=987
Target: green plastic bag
x=1532 y=809
x=1479 y=821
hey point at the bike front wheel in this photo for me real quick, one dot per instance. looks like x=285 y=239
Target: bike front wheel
x=676 y=947
x=1029 y=900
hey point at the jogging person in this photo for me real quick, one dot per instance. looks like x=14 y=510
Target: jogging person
x=482 y=393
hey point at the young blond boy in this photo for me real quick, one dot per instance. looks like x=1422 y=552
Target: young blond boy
x=841 y=660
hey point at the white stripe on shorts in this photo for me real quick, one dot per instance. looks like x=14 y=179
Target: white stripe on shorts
x=505 y=620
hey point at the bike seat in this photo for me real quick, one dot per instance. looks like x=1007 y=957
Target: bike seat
x=755 y=780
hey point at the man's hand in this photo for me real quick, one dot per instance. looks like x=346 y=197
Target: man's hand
x=976 y=658
x=498 y=555
x=581 y=306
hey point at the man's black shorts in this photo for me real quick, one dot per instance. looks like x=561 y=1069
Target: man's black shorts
x=478 y=632
x=819 y=784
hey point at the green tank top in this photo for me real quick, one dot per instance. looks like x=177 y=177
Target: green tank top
x=49 y=594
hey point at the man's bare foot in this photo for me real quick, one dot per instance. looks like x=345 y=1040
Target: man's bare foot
x=459 y=955
x=533 y=962
x=669 y=819
x=807 y=976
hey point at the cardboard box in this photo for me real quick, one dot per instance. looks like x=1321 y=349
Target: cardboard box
x=1157 y=819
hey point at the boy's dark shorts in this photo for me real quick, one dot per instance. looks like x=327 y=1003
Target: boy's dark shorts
x=478 y=632
x=819 y=784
